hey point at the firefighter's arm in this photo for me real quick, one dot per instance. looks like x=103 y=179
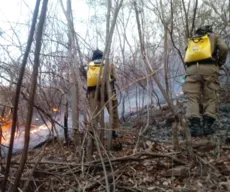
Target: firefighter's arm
x=222 y=47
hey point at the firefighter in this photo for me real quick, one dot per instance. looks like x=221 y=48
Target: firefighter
x=201 y=83
x=92 y=78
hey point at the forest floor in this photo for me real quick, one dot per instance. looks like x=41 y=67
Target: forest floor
x=146 y=163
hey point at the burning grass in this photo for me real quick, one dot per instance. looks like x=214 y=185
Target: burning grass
x=154 y=166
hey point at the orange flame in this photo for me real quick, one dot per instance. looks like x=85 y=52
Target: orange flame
x=6 y=134
x=55 y=109
x=6 y=126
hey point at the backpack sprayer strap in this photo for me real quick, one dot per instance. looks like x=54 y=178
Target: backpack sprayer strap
x=196 y=39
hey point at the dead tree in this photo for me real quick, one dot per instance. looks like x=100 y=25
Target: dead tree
x=33 y=88
x=74 y=74
x=17 y=94
x=164 y=93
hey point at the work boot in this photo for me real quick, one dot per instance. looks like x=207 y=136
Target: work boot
x=117 y=145
x=207 y=125
x=114 y=135
x=195 y=127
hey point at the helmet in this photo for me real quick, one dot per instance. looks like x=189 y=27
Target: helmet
x=204 y=29
x=97 y=54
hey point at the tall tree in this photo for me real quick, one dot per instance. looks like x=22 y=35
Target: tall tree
x=17 y=94
x=146 y=60
x=32 y=96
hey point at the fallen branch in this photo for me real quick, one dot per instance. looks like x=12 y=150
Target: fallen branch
x=135 y=157
x=26 y=185
x=101 y=180
x=207 y=164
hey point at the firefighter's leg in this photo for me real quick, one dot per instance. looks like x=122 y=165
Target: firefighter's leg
x=115 y=123
x=210 y=100
x=210 y=103
x=94 y=108
x=192 y=89
x=117 y=145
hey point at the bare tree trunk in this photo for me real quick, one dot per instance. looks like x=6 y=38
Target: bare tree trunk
x=109 y=91
x=171 y=33
x=74 y=74
x=32 y=95
x=194 y=18
x=122 y=47
x=102 y=122
x=155 y=77
x=166 y=57
x=73 y=80
x=109 y=6
x=66 y=122
x=123 y=109
x=107 y=53
x=105 y=78
x=17 y=94
x=0 y=143
x=186 y=20
x=175 y=140
x=148 y=63
x=187 y=136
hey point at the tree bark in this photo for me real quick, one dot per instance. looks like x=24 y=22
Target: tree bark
x=166 y=58
x=17 y=94
x=66 y=122
x=73 y=74
x=186 y=20
x=194 y=18
x=0 y=143
x=105 y=77
x=155 y=77
x=105 y=80
x=32 y=95
x=73 y=80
